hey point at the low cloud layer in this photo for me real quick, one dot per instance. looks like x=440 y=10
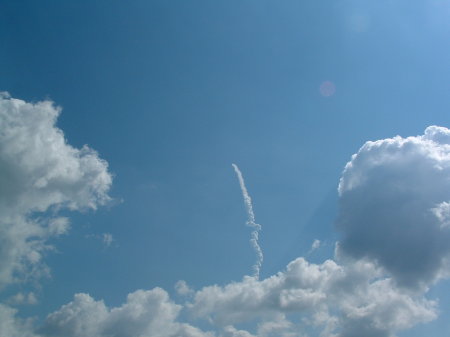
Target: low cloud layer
x=394 y=219
x=328 y=300
x=335 y=299
x=145 y=313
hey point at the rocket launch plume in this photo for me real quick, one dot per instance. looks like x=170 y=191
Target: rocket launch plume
x=251 y=223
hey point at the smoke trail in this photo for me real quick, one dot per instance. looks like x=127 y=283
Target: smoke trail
x=251 y=222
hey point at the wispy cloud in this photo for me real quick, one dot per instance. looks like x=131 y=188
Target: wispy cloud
x=183 y=289
x=23 y=299
x=107 y=239
x=315 y=245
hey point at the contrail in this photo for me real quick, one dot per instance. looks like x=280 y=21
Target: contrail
x=251 y=222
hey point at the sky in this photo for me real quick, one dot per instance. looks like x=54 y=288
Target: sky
x=121 y=213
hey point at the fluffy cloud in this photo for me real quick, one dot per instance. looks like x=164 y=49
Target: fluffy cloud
x=38 y=168
x=394 y=196
x=231 y=331
x=328 y=299
x=145 y=314
x=394 y=217
x=11 y=326
x=40 y=171
x=338 y=299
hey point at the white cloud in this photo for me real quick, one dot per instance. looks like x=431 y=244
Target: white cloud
x=393 y=197
x=146 y=314
x=183 y=289
x=330 y=299
x=11 y=326
x=58 y=226
x=315 y=245
x=393 y=206
x=277 y=327
x=107 y=239
x=231 y=331
x=23 y=299
x=39 y=171
x=82 y=317
x=338 y=299
x=394 y=216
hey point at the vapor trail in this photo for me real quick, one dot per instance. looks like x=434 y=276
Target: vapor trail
x=251 y=222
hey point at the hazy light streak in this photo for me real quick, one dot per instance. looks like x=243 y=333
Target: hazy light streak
x=251 y=223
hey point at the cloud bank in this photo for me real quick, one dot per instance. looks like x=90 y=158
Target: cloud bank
x=328 y=299
x=145 y=313
x=394 y=219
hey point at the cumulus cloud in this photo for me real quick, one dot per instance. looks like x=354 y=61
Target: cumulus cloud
x=394 y=208
x=394 y=219
x=328 y=299
x=38 y=168
x=338 y=299
x=39 y=174
x=39 y=171
x=148 y=313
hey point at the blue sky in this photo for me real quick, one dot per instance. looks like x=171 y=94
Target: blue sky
x=170 y=94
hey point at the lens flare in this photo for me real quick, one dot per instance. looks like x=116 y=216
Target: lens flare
x=327 y=89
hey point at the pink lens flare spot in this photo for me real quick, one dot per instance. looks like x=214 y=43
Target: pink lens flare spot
x=327 y=89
